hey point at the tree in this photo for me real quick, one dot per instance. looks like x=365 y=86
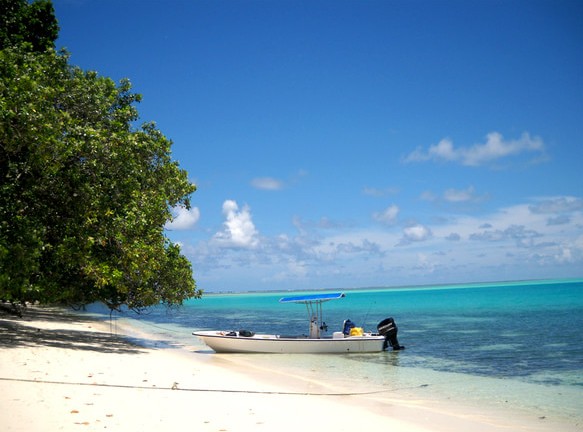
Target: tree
x=34 y=23
x=84 y=194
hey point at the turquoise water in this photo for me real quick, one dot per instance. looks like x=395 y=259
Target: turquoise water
x=505 y=343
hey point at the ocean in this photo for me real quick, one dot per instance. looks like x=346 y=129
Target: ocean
x=517 y=345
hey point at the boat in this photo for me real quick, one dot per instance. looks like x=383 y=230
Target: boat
x=351 y=339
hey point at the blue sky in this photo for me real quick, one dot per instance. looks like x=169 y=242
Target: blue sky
x=341 y=144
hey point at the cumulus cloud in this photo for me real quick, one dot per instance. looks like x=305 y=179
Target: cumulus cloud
x=534 y=239
x=559 y=220
x=424 y=264
x=415 y=233
x=388 y=215
x=564 y=204
x=457 y=195
x=495 y=148
x=238 y=228
x=365 y=246
x=266 y=183
x=183 y=219
x=519 y=233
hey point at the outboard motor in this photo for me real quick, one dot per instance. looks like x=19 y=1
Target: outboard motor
x=388 y=329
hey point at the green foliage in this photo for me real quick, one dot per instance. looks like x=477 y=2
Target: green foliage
x=84 y=194
x=34 y=24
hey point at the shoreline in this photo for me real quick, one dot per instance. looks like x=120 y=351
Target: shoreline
x=60 y=371
x=456 y=285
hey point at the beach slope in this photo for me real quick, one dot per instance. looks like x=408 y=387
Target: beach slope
x=70 y=372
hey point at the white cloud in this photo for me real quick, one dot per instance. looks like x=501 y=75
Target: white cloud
x=415 y=233
x=183 y=219
x=293 y=269
x=512 y=242
x=519 y=233
x=457 y=195
x=424 y=264
x=266 y=183
x=239 y=229
x=495 y=148
x=388 y=215
x=559 y=220
x=564 y=256
x=557 y=205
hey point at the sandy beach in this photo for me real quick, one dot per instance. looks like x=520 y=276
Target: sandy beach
x=70 y=372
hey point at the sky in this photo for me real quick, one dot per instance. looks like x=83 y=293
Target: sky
x=352 y=144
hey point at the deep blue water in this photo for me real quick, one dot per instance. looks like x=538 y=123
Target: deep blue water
x=530 y=331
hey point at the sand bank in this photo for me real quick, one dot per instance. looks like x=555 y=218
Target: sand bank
x=69 y=372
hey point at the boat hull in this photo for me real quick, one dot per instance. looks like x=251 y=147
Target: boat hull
x=222 y=342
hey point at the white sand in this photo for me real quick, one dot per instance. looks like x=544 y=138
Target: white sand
x=68 y=373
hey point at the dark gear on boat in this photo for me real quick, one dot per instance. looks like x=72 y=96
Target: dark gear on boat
x=388 y=329
x=246 y=333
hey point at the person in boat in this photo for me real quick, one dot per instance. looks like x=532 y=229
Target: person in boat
x=347 y=326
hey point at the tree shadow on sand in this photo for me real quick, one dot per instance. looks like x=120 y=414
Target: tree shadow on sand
x=22 y=332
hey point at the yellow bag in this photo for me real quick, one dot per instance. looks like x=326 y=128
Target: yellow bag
x=356 y=331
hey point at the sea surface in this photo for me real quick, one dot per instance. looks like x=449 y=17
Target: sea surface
x=515 y=344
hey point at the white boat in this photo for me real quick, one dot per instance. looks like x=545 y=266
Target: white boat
x=351 y=340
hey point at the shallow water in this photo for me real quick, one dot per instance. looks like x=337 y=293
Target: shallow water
x=513 y=344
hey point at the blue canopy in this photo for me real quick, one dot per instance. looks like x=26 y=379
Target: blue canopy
x=311 y=298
